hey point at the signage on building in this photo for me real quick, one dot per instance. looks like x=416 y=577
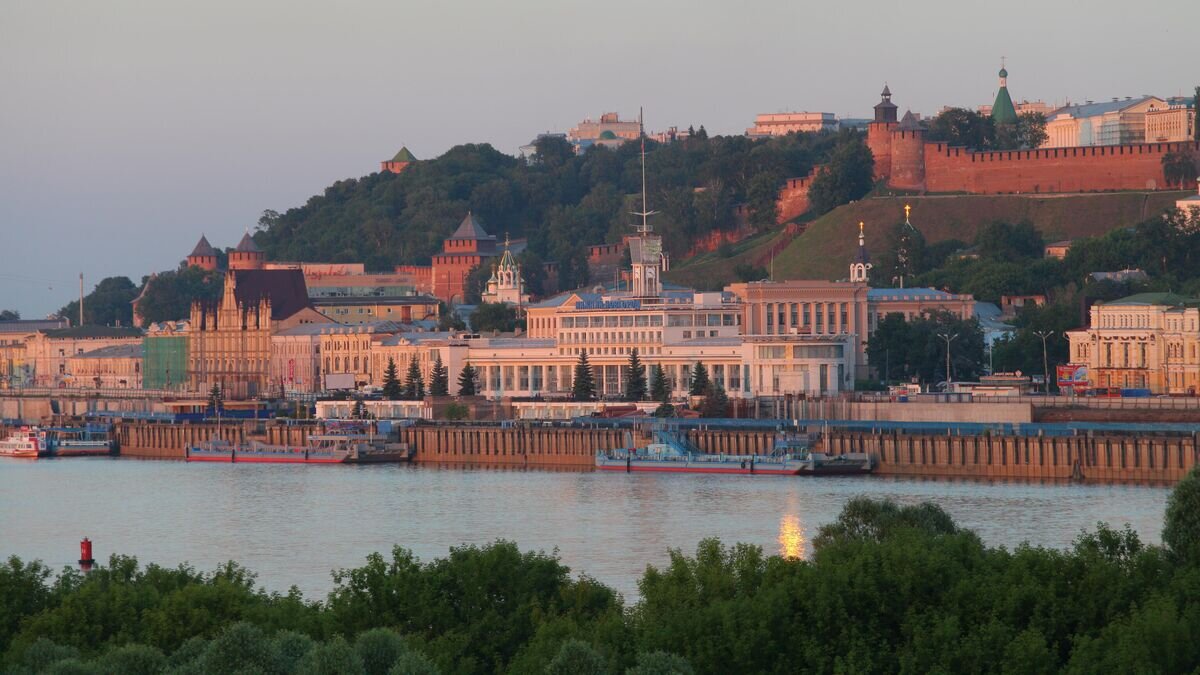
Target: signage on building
x=1072 y=376
x=608 y=304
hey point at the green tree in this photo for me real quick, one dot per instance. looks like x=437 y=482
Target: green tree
x=9 y=315
x=716 y=402
x=1179 y=168
x=660 y=388
x=635 y=378
x=414 y=384
x=448 y=320
x=1196 y=107
x=749 y=272
x=457 y=411
x=109 y=304
x=660 y=663
x=577 y=657
x=392 y=390
x=963 y=128
x=1010 y=243
x=583 y=386
x=216 y=398
x=901 y=350
x=439 y=377
x=762 y=197
x=903 y=257
x=1031 y=130
x=468 y=381
x=498 y=316
x=848 y=176
x=168 y=296
x=1181 y=526
x=699 y=381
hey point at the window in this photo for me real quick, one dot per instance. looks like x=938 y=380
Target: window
x=626 y=321
x=656 y=320
x=568 y=322
x=772 y=352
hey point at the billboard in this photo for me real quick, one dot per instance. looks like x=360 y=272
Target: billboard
x=1072 y=376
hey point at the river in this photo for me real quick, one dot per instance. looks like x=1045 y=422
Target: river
x=293 y=524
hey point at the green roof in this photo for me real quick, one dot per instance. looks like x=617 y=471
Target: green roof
x=607 y=135
x=1003 y=111
x=1171 y=299
x=404 y=156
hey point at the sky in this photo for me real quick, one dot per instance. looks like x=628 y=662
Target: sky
x=128 y=129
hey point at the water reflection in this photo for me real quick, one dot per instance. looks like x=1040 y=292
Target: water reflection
x=791 y=537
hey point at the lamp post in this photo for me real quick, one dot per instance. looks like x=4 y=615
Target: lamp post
x=948 y=338
x=1044 y=334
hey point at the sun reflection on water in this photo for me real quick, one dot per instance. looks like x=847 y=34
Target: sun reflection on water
x=791 y=537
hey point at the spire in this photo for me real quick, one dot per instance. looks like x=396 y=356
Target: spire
x=907 y=211
x=862 y=262
x=1003 y=111
x=247 y=245
x=885 y=110
x=203 y=249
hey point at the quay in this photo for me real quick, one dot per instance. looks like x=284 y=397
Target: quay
x=1092 y=455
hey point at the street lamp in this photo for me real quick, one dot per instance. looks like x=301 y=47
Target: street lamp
x=1044 y=334
x=948 y=338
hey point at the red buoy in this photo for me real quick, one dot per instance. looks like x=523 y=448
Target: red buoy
x=85 y=553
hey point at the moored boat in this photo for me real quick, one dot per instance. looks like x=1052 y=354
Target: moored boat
x=341 y=444
x=24 y=443
x=670 y=452
x=87 y=441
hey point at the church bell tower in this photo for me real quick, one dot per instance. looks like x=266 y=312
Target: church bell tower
x=861 y=264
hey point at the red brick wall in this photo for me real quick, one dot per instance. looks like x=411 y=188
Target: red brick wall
x=793 y=198
x=394 y=167
x=1090 y=169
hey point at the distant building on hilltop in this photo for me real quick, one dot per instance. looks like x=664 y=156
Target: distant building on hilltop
x=399 y=163
x=782 y=124
x=1176 y=122
x=611 y=131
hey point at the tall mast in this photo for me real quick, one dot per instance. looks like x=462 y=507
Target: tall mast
x=645 y=212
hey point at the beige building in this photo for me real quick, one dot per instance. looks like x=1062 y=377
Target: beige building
x=610 y=131
x=296 y=358
x=1145 y=341
x=397 y=308
x=782 y=124
x=230 y=341
x=51 y=352
x=1117 y=122
x=115 y=367
x=1176 y=122
x=346 y=350
x=16 y=362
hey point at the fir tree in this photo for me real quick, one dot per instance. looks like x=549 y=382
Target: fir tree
x=699 y=380
x=360 y=410
x=391 y=382
x=439 y=378
x=660 y=389
x=215 y=398
x=584 y=386
x=414 y=384
x=635 y=378
x=716 y=403
x=467 y=381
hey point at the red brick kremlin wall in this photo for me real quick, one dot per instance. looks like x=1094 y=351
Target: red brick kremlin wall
x=1087 y=169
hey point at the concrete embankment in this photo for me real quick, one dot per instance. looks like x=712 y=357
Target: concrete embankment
x=1091 y=458
x=1099 y=458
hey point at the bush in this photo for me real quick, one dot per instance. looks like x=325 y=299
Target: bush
x=457 y=411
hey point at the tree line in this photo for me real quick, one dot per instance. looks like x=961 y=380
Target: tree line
x=887 y=588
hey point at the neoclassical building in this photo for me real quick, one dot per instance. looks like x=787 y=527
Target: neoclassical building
x=1144 y=341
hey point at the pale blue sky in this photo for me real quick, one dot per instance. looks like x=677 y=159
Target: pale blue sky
x=128 y=128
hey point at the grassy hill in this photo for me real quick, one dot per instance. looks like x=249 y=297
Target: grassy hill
x=824 y=250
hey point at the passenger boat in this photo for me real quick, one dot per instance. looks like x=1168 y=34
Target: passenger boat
x=87 y=441
x=670 y=452
x=340 y=445
x=24 y=443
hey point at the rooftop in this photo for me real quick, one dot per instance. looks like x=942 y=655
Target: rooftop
x=352 y=300
x=247 y=245
x=909 y=293
x=203 y=249
x=1147 y=299
x=31 y=325
x=114 y=352
x=470 y=228
x=1093 y=109
x=404 y=156
x=94 y=332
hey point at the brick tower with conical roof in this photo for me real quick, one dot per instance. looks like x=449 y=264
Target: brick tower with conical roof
x=879 y=134
x=247 y=255
x=203 y=256
x=399 y=163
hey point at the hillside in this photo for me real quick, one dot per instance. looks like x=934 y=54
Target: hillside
x=824 y=250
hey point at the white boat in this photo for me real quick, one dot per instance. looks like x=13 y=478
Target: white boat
x=24 y=443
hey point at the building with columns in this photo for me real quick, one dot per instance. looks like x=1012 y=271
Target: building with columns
x=1145 y=341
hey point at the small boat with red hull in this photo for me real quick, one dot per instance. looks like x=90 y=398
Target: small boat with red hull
x=24 y=443
x=670 y=452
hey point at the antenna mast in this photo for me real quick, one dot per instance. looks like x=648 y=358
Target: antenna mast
x=645 y=213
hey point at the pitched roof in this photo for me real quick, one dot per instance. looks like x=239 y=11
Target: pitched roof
x=203 y=249
x=284 y=288
x=1003 y=110
x=95 y=332
x=470 y=228
x=1093 y=109
x=31 y=325
x=247 y=245
x=404 y=156
x=114 y=352
x=1169 y=299
x=909 y=122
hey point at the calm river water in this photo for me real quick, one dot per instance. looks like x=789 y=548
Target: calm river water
x=294 y=524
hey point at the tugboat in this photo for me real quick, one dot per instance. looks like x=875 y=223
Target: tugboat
x=668 y=451
x=25 y=443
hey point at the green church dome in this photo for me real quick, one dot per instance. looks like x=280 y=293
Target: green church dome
x=607 y=135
